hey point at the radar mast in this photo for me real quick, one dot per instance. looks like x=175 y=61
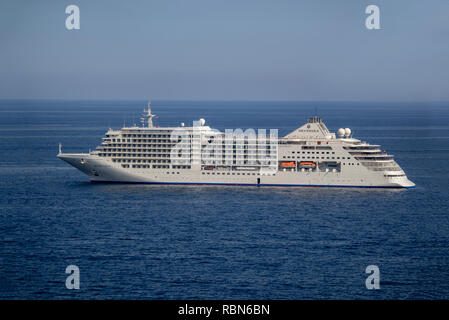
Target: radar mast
x=147 y=114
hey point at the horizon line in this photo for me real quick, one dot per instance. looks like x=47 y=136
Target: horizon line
x=222 y=100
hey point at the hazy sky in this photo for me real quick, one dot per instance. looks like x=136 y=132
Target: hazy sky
x=232 y=50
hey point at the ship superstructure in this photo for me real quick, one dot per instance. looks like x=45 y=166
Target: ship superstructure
x=311 y=155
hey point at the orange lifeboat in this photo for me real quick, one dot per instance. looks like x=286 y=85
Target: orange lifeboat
x=289 y=164
x=307 y=164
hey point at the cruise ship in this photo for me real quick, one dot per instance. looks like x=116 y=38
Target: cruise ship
x=310 y=156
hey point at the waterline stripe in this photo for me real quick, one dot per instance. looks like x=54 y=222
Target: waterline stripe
x=252 y=184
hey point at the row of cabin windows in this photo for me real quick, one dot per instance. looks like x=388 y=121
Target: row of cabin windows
x=309 y=157
x=152 y=141
x=140 y=161
x=317 y=148
x=136 y=150
x=143 y=166
x=233 y=173
x=148 y=167
x=313 y=152
x=123 y=158
x=168 y=136
x=145 y=135
x=130 y=146
x=140 y=148
x=139 y=140
x=217 y=142
x=126 y=147
x=168 y=155
x=394 y=176
x=169 y=161
x=133 y=155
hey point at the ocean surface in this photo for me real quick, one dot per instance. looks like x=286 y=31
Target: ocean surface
x=218 y=242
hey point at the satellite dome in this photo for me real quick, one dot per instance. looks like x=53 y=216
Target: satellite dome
x=341 y=132
x=202 y=122
x=347 y=132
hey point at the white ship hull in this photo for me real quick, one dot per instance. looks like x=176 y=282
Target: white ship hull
x=309 y=156
x=99 y=169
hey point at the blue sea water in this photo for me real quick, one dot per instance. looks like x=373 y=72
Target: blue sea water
x=218 y=242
